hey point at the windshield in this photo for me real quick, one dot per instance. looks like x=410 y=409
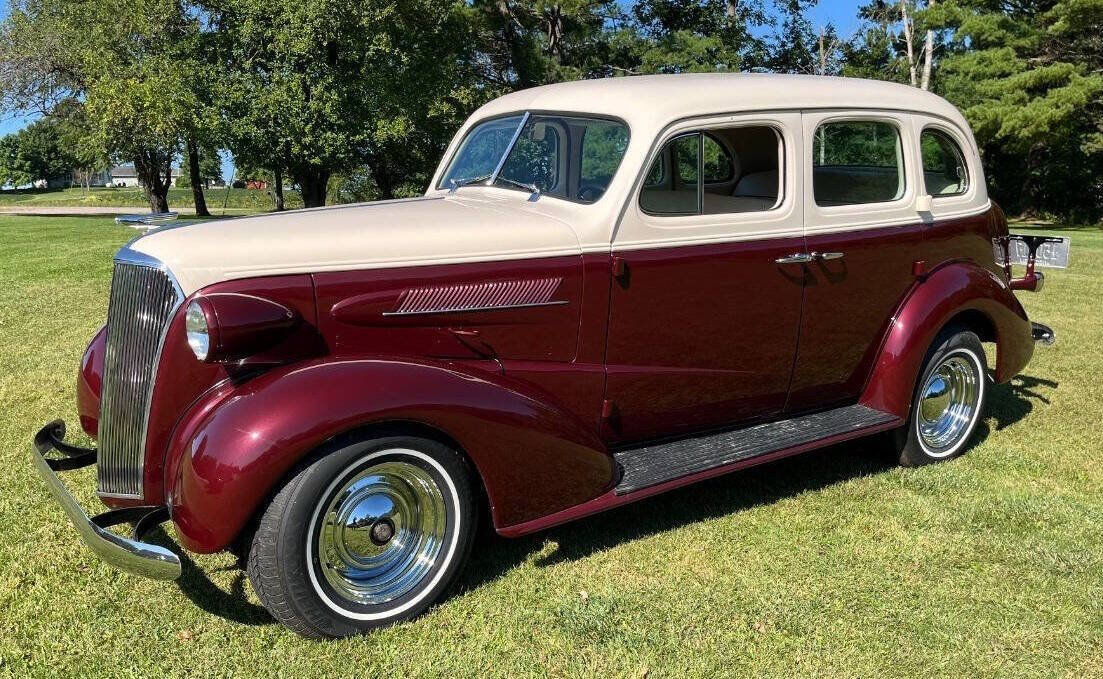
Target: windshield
x=569 y=157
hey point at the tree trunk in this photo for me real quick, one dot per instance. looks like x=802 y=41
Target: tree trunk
x=312 y=183
x=928 y=55
x=277 y=189
x=196 y=179
x=908 y=41
x=148 y=166
x=731 y=11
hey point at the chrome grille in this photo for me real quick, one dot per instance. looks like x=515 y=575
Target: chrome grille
x=143 y=299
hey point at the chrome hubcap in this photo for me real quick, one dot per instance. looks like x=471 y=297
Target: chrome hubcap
x=948 y=402
x=381 y=533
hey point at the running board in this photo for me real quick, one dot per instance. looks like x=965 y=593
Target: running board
x=662 y=462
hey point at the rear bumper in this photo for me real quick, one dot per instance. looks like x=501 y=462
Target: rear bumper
x=140 y=558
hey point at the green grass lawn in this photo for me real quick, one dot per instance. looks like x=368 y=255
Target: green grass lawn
x=835 y=563
x=238 y=199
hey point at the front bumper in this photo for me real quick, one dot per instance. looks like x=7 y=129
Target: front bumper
x=140 y=558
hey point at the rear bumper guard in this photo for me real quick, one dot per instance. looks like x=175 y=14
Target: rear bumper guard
x=132 y=555
x=1043 y=334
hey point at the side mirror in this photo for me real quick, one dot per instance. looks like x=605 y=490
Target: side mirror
x=923 y=203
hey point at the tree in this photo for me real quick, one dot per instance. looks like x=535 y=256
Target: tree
x=126 y=61
x=792 y=48
x=699 y=35
x=319 y=87
x=207 y=170
x=1029 y=77
x=35 y=153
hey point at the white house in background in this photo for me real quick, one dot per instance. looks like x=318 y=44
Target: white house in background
x=124 y=175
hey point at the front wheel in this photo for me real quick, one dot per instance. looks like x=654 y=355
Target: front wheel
x=365 y=535
x=948 y=400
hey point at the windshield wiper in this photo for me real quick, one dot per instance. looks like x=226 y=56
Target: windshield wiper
x=531 y=188
x=467 y=182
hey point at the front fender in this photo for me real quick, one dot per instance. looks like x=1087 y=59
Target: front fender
x=952 y=290
x=237 y=443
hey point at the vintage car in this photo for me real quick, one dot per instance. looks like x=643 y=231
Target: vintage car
x=610 y=289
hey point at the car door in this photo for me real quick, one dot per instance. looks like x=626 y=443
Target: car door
x=864 y=234
x=705 y=305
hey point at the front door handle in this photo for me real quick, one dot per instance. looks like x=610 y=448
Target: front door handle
x=795 y=258
x=827 y=255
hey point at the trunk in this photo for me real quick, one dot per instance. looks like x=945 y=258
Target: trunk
x=196 y=180
x=731 y=12
x=908 y=41
x=823 y=56
x=312 y=183
x=928 y=55
x=385 y=180
x=515 y=42
x=928 y=50
x=149 y=165
x=277 y=189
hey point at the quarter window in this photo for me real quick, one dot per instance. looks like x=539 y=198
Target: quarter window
x=944 y=169
x=857 y=162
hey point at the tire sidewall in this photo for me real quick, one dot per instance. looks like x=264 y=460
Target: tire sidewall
x=953 y=342
x=331 y=615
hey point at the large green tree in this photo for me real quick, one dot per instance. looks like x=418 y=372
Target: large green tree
x=37 y=152
x=1029 y=77
x=130 y=65
x=317 y=87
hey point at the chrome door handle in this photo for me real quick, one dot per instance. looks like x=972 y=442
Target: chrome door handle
x=827 y=255
x=795 y=258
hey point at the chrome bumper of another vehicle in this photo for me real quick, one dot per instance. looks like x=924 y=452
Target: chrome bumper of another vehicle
x=140 y=558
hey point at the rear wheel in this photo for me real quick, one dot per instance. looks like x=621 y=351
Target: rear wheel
x=948 y=401
x=365 y=535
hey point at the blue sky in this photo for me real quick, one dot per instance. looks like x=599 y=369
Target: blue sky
x=842 y=13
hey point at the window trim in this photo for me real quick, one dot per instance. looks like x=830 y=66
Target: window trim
x=944 y=131
x=779 y=137
x=902 y=170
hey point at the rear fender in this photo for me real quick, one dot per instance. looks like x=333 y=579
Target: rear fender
x=238 y=442
x=948 y=292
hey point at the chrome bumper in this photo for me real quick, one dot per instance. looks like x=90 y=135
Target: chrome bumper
x=140 y=558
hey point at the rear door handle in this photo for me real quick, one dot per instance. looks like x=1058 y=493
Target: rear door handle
x=827 y=255
x=795 y=258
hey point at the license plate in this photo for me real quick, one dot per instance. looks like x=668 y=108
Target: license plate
x=1053 y=253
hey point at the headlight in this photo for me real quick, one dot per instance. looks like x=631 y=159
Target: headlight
x=227 y=327
x=199 y=335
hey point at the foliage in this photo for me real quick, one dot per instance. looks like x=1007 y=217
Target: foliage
x=323 y=86
x=37 y=152
x=210 y=168
x=1029 y=78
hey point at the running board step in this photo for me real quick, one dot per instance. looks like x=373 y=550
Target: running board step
x=654 y=464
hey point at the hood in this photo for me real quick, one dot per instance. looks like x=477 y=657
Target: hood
x=409 y=232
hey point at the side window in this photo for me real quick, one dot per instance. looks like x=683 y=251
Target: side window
x=535 y=158
x=857 y=162
x=739 y=167
x=944 y=169
x=679 y=197
x=718 y=162
x=603 y=145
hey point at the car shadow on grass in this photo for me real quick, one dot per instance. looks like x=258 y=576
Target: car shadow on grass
x=494 y=556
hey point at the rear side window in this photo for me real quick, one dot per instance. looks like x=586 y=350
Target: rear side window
x=944 y=170
x=856 y=162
